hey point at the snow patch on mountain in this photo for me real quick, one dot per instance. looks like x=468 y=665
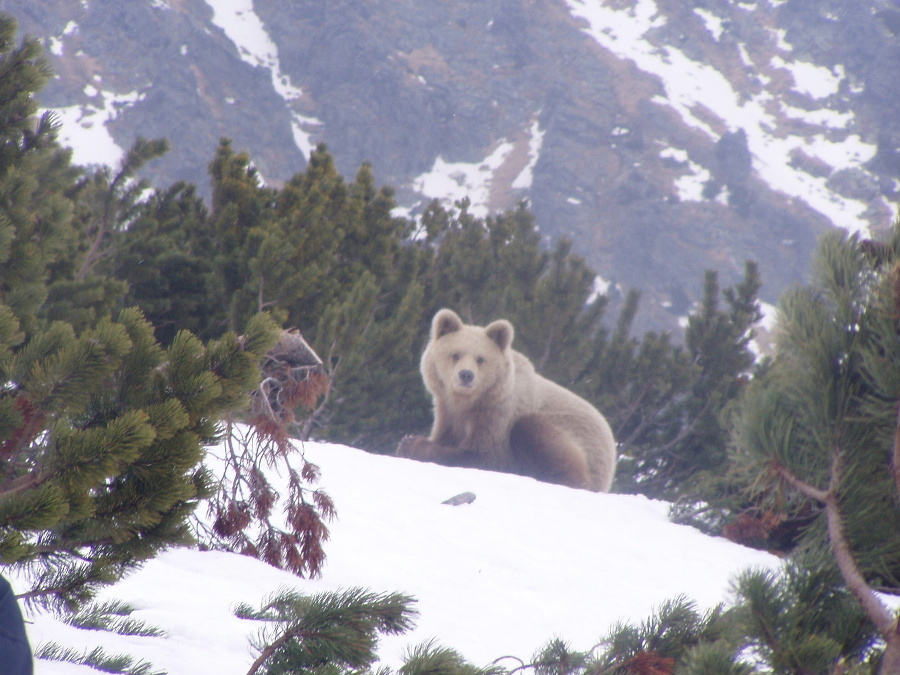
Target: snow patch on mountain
x=690 y=184
x=243 y=27
x=713 y=23
x=83 y=127
x=450 y=182
x=691 y=87
x=535 y=142
x=487 y=183
x=56 y=45
x=815 y=81
x=763 y=342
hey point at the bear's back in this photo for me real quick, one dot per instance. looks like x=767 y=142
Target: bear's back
x=569 y=412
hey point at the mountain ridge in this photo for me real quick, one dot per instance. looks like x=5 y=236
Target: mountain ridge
x=663 y=139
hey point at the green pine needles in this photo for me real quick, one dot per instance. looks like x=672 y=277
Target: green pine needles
x=328 y=633
x=102 y=452
x=98 y=659
x=800 y=621
x=113 y=616
x=102 y=428
x=430 y=658
x=817 y=434
x=803 y=620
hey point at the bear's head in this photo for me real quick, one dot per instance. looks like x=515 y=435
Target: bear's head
x=467 y=361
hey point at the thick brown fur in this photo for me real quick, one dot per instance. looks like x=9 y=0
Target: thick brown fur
x=492 y=410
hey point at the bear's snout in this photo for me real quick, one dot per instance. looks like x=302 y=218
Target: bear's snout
x=466 y=377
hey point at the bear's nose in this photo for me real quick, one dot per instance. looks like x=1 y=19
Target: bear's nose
x=466 y=377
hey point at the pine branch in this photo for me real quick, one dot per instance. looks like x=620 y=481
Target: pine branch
x=93 y=252
x=877 y=612
x=801 y=486
x=312 y=420
x=23 y=483
x=114 y=617
x=245 y=502
x=23 y=436
x=97 y=659
x=856 y=582
x=634 y=407
x=338 y=628
x=270 y=650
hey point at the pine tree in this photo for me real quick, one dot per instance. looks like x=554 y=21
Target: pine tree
x=662 y=642
x=818 y=433
x=718 y=342
x=108 y=203
x=101 y=429
x=483 y=268
x=373 y=341
x=103 y=445
x=35 y=215
x=297 y=251
x=676 y=639
x=565 y=312
x=80 y=291
x=432 y=659
x=329 y=633
x=803 y=620
x=166 y=257
x=240 y=216
x=357 y=297
x=666 y=401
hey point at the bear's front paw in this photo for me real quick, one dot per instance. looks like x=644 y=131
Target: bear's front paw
x=414 y=447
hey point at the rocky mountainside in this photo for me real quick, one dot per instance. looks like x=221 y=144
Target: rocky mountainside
x=663 y=137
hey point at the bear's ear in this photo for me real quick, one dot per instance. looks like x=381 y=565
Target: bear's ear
x=445 y=321
x=501 y=332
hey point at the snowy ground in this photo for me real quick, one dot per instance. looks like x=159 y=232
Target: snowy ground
x=523 y=563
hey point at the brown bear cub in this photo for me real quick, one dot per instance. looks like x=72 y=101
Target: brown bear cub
x=492 y=410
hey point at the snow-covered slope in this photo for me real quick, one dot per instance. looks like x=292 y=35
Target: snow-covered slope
x=521 y=564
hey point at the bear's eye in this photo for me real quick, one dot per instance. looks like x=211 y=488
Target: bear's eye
x=456 y=356
x=479 y=360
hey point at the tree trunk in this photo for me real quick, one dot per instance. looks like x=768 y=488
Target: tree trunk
x=890 y=662
x=875 y=609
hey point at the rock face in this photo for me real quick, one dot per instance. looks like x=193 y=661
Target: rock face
x=664 y=137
